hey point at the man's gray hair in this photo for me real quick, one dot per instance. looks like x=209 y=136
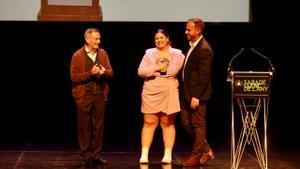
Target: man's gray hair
x=89 y=31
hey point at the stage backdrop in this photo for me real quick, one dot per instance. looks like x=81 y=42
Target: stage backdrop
x=37 y=106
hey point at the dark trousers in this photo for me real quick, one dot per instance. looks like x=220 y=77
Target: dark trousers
x=195 y=124
x=90 y=123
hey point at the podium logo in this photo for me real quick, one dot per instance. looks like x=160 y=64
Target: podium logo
x=253 y=85
x=238 y=83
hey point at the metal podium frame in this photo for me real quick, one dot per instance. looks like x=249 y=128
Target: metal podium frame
x=250 y=90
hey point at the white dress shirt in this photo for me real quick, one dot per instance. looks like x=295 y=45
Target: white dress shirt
x=91 y=55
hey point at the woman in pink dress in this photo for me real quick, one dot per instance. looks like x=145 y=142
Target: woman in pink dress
x=160 y=97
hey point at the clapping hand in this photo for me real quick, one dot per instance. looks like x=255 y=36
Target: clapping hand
x=102 y=69
x=98 y=70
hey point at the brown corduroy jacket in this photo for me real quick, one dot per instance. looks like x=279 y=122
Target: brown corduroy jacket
x=80 y=76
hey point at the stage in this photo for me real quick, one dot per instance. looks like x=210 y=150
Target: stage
x=65 y=157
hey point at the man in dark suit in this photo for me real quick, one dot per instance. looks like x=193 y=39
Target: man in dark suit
x=90 y=69
x=196 y=91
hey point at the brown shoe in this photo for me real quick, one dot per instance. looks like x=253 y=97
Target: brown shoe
x=191 y=161
x=99 y=161
x=207 y=156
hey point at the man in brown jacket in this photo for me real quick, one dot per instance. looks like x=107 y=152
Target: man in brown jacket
x=90 y=69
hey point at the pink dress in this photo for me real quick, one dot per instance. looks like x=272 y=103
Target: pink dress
x=160 y=93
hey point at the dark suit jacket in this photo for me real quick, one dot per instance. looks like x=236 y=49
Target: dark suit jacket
x=197 y=73
x=80 y=76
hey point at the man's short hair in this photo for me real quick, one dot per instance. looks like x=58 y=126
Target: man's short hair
x=89 y=31
x=198 y=23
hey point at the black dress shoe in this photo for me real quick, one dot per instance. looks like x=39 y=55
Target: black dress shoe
x=99 y=161
x=85 y=162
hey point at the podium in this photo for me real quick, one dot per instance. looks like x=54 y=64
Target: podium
x=250 y=95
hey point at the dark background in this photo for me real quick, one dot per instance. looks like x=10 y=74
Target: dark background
x=37 y=106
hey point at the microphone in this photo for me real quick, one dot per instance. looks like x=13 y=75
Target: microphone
x=269 y=61
x=231 y=60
